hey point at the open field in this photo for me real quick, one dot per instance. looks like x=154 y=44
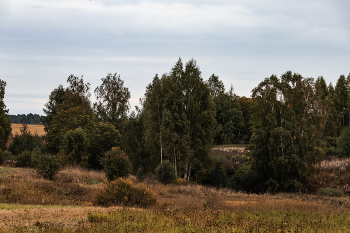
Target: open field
x=30 y=203
x=38 y=129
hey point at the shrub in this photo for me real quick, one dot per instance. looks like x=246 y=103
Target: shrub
x=25 y=142
x=330 y=192
x=47 y=166
x=218 y=177
x=116 y=164
x=246 y=179
x=165 y=172
x=123 y=192
x=343 y=143
x=24 y=159
x=74 y=147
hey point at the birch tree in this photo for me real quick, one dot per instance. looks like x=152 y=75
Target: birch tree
x=286 y=131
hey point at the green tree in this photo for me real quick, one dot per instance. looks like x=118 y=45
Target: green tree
x=343 y=143
x=62 y=99
x=74 y=147
x=5 y=123
x=104 y=137
x=165 y=172
x=116 y=164
x=187 y=124
x=341 y=93
x=64 y=121
x=153 y=114
x=286 y=131
x=112 y=100
x=134 y=143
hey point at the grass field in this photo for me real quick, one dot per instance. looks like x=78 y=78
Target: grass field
x=32 y=204
x=38 y=129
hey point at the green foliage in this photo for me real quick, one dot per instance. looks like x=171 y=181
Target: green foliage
x=286 y=140
x=112 y=100
x=5 y=123
x=165 y=172
x=343 y=143
x=245 y=179
x=32 y=119
x=24 y=159
x=134 y=143
x=67 y=109
x=74 y=147
x=25 y=142
x=330 y=192
x=180 y=122
x=116 y=164
x=47 y=166
x=217 y=177
x=104 y=137
x=124 y=192
x=64 y=121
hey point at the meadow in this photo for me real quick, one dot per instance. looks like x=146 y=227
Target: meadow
x=65 y=204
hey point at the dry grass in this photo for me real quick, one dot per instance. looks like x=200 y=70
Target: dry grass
x=204 y=206
x=333 y=173
x=34 y=129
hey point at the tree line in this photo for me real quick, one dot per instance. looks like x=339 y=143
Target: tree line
x=289 y=124
x=32 y=119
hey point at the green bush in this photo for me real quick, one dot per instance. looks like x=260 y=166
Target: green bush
x=330 y=192
x=343 y=143
x=24 y=159
x=218 y=177
x=74 y=147
x=47 y=166
x=246 y=179
x=116 y=164
x=25 y=142
x=165 y=172
x=124 y=192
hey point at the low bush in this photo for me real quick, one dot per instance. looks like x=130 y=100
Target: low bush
x=165 y=172
x=218 y=177
x=330 y=192
x=124 y=192
x=116 y=164
x=24 y=159
x=47 y=166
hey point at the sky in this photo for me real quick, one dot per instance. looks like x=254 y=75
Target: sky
x=42 y=42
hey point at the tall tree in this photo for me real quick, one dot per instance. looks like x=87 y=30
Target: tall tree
x=112 y=99
x=341 y=92
x=286 y=131
x=188 y=124
x=5 y=123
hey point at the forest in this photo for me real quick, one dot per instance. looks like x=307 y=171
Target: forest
x=288 y=125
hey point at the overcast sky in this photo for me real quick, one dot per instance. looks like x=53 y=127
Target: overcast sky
x=42 y=42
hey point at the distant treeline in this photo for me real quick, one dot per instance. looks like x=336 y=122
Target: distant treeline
x=33 y=119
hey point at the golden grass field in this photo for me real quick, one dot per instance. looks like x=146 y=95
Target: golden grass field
x=38 y=129
x=65 y=204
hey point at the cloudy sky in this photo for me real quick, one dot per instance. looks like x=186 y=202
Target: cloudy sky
x=42 y=42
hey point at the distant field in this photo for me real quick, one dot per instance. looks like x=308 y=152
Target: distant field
x=39 y=129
